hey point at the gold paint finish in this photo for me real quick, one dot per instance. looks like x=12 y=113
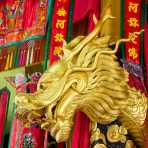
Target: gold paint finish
x=116 y=134
x=89 y=79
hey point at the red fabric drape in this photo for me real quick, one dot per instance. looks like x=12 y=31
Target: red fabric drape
x=80 y=137
x=4 y=95
x=15 y=133
x=86 y=8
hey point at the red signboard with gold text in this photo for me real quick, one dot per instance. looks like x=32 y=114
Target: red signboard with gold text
x=59 y=28
x=132 y=19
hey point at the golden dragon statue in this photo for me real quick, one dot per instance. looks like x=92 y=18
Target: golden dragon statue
x=88 y=78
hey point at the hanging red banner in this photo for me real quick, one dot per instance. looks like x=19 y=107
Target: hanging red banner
x=59 y=28
x=132 y=21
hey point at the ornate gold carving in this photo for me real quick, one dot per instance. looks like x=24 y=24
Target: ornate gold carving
x=88 y=78
x=96 y=134
x=116 y=133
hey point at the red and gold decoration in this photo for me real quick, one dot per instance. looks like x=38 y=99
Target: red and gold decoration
x=132 y=19
x=22 y=19
x=72 y=117
x=29 y=53
x=59 y=28
x=80 y=82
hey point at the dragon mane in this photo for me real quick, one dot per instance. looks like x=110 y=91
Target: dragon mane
x=90 y=79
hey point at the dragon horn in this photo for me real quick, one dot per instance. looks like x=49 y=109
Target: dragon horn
x=107 y=28
x=98 y=26
x=90 y=36
x=107 y=9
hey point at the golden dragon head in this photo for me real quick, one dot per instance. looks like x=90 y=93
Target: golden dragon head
x=88 y=78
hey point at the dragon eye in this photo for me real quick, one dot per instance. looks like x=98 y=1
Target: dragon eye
x=41 y=86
